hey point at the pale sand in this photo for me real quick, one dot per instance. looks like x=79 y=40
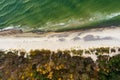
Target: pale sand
x=108 y=37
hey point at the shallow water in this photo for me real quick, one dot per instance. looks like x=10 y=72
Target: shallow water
x=59 y=14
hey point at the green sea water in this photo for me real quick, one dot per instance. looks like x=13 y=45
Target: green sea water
x=59 y=14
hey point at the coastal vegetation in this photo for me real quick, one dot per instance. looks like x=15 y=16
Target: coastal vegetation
x=59 y=65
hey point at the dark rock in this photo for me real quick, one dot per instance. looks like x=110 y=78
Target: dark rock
x=93 y=38
x=61 y=39
x=76 y=38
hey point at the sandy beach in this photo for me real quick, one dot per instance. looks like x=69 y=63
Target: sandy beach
x=102 y=37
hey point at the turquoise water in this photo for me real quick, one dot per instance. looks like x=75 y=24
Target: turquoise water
x=59 y=14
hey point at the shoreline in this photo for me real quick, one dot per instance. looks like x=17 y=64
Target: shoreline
x=20 y=33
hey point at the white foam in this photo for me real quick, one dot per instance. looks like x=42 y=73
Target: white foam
x=113 y=15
